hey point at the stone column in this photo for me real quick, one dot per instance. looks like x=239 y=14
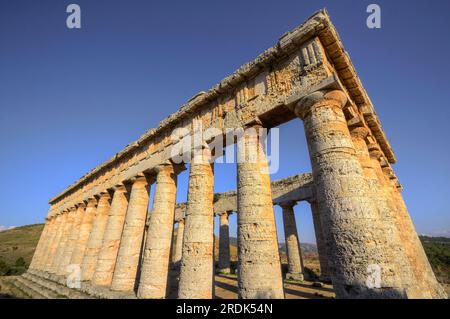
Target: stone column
x=155 y=265
x=224 y=244
x=426 y=284
x=72 y=240
x=321 y=244
x=197 y=264
x=38 y=261
x=55 y=240
x=61 y=240
x=178 y=249
x=46 y=249
x=124 y=278
x=259 y=267
x=110 y=247
x=349 y=214
x=396 y=272
x=95 y=240
x=84 y=232
x=293 y=251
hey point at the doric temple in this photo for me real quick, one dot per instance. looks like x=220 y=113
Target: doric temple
x=101 y=240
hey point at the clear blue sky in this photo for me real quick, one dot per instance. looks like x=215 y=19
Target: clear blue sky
x=70 y=99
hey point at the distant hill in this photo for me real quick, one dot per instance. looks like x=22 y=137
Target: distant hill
x=438 y=252
x=17 y=248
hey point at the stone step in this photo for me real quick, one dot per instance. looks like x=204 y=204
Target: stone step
x=32 y=289
x=9 y=286
x=58 y=289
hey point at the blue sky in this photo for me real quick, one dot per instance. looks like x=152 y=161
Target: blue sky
x=70 y=99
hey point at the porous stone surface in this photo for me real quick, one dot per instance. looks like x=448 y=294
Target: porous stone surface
x=349 y=214
x=259 y=268
x=197 y=269
x=126 y=268
x=72 y=240
x=178 y=249
x=224 y=243
x=85 y=230
x=294 y=255
x=62 y=245
x=95 y=240
x=156 y=259
x=107 y=257
x=322 y=245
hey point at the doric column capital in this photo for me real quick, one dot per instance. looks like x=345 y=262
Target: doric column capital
x=305 y=104
x=224 y=213
x=287 y=204
x=360 y=132
x=80 y=205
x=121 y=187
x=375 y=151
x=92 y=202
x=140 y=179
x=104 y=195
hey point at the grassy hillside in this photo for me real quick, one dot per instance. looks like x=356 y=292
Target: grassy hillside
x=438 y=252
x=17 y=247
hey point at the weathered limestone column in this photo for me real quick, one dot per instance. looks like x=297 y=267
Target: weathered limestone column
x=321 y=243
x=349 y=214
x=197 y=264
x=178 y=249
x=293 y=251
x=72 y=240
x=95 y=241
x=259 y=267
x=124 y=278
x=85 y=231
x=429 y=287
x=396 y=271
x=62 y=238
x=38 y=261
x=47 y=252
x=155 y=265
x=60 y=220
x=224 y=243
x=106 y=261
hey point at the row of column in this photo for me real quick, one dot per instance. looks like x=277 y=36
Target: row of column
x=361 y=214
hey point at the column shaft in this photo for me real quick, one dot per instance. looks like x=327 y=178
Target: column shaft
x=321 y=241
x=396 y=272
x=47 y=252
x=54 y=242
x=61 y=240
x=84 y=232
x=95 y=240
x=349 y=214
x=224 y=244
x=197 y=264
x=111 y=241
x=293 y=251
x=39 y=253
x=428 y=286
x=259 y=267
x=125 y=273
x=72 y=240
x=178 y=249
x=155 y=265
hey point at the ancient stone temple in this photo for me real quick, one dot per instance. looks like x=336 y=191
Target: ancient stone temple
x=100 y=241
